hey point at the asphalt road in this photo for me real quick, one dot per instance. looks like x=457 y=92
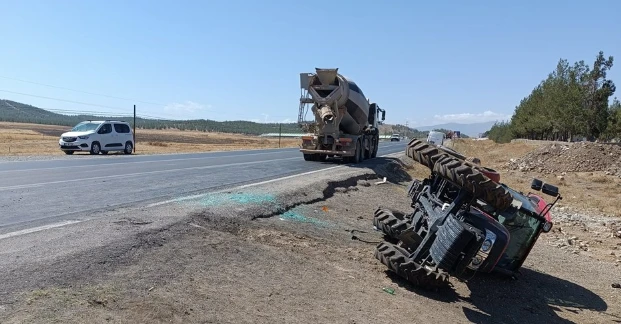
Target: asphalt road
x=36 y=193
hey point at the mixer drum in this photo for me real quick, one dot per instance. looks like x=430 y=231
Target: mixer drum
x=357 y=107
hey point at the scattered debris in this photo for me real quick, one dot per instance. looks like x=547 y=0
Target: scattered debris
x=381 y=182
x=389 y=290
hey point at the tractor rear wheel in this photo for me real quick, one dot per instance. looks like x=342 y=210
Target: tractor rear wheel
x=427 y=154
x=422 y=152
x=396 y=260
x=469 y=177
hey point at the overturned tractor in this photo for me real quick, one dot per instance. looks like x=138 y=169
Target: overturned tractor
x=464 y=220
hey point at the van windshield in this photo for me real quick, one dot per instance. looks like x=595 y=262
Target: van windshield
x=85 y=127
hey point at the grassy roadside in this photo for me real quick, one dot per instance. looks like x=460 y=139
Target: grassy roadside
x=17 y=139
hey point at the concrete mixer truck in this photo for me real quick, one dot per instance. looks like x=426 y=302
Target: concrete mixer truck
x=345 y=121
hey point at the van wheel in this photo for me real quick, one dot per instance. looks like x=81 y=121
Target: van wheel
x=128 y=148
x=95 y=148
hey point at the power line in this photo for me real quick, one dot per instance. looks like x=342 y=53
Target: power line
x=86 y=92
x=114 y=108
x=64 y=100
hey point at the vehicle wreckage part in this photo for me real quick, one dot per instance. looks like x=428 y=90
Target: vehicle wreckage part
x=422 y=152
x=396 y=259
x=385 y=221
x=452 y=237
x=475 y=182
x=428 y=154
x=486 y=247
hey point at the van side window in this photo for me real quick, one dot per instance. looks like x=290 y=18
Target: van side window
x=121 y=128
x=105 y=129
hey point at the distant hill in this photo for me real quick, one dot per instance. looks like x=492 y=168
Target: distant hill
x=472 y=130
x=388 y=129
x=12 y=111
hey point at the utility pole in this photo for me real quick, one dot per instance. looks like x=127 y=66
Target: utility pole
x=407 y=129
x=279 y=133
x=134 y=128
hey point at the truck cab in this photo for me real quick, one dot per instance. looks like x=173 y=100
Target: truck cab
x=395 y=138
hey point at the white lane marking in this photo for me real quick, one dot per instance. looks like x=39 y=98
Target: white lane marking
x=158 y=154
x=69 y=222
x=136 y=162
x=38 y=229
x=251 y=184
x=284 y=150
x=140 y=173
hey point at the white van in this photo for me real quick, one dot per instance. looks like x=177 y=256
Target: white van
x=97 y=137
x=436 y=138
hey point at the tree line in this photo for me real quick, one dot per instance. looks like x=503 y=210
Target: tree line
x=573 y=101
x=11 y=111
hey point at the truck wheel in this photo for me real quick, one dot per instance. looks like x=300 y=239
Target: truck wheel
x=396 y=259
x=358 y=154
x=308 y=157
x=367 y=152
x=375 y=146
x=470 y=178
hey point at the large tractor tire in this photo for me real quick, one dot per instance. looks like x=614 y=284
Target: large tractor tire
x=422 y=152
x=426 y=154
x=470 y=178
x=385 y=221
x=395 y=259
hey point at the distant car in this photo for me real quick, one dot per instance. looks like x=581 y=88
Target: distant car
x=395 y=138
x=98 y=137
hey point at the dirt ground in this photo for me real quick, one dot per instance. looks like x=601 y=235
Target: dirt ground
x=28 y=139
x=312 y=262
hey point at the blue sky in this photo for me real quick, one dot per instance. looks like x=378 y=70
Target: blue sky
x=425 y=63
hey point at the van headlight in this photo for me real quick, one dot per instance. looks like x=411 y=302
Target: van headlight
x=83 y=137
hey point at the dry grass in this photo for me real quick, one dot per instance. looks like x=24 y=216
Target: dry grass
x=591 y=191
x=34 y=139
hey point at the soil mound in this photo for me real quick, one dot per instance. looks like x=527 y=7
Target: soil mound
x=571 y=157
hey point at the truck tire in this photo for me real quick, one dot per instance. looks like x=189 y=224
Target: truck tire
x=385 y=221
x=375 y=146
x=396 y=260
x=357 y=158
x=469 y=177
x=368 y=143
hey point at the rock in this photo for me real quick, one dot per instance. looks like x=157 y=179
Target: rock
x=616 y=285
